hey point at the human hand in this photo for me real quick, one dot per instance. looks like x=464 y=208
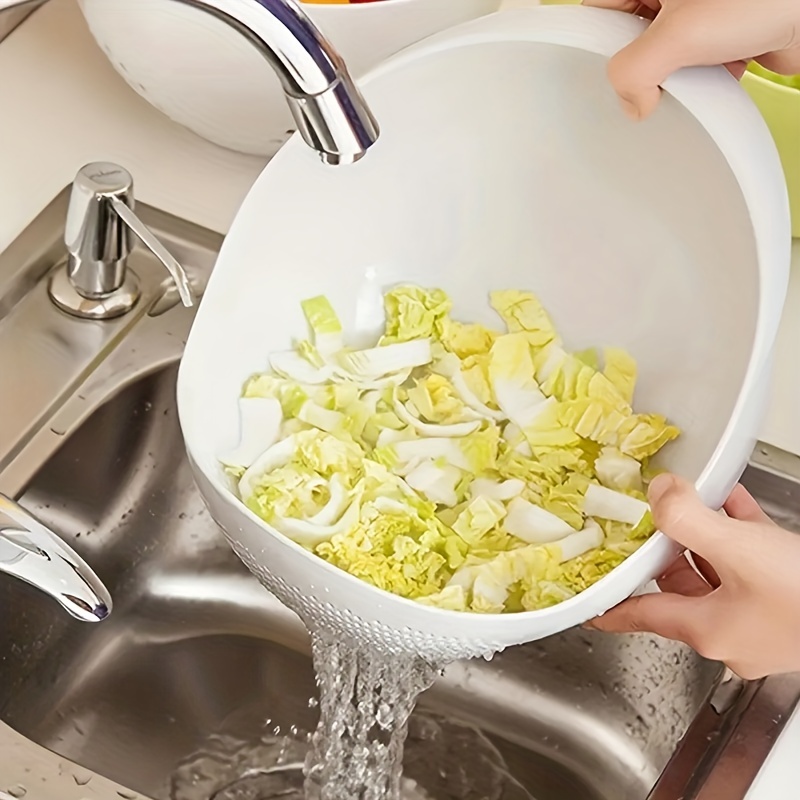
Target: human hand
x=741 y=605
x=689 y=33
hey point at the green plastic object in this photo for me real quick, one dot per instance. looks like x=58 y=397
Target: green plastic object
x=778 y=100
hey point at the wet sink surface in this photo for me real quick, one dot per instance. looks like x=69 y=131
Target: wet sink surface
x=199 y=674
x=197 y=650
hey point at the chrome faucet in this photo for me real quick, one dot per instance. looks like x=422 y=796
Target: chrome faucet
x=33 y=553
x=328 y=108
x=333 y=119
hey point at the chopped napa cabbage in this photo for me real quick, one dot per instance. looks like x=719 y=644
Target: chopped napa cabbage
x=566 y=377
x=291 y=490
x=512 y=380
x=413 y=313
x=260 y=425
x=475 y=370
x=310 y=534
x=389 y=436
x=478 y=518
x=377 y=362
x=617 y=471
x=516 y=441
x=466 y=468
x=323 y=418
x=465 y=340
x=533 y=568
x=396 y=549
x=643 y=435
x=388 y=381
x=605 y=503
x=275 y=456
x=339 y=498
x=429 y=428
x=437 y=401
x=626 y=539
x=292 y=364
x=310 y=353
x=566 y=499
x=451 y=598
x=589 y=357
x=545 y=427
x=534 y=524
x=522 y=312
x=436 y=482
x=264 y=385
x=579 y=542
x=620 y=369
x=451 y=367
x=497 y=490
x=324 y=324
x=327 y=454
x=537 y=475
x=475 y=453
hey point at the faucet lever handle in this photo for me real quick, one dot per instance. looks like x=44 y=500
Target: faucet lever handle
x=100 y=225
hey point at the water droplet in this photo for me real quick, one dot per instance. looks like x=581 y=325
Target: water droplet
x=18 y=791
x=313 y=702
x=81 y=777
x=384 y=716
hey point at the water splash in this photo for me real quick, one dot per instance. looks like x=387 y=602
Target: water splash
x=366 y=700
x=444 y=760
x=366 y=746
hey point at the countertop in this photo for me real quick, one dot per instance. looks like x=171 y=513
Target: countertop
x=62 y=105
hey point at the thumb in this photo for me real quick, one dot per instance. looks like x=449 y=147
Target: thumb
x=637 y=71
x=683 y=34
x=679 y=513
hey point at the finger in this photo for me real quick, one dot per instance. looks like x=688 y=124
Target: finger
x=680 y=514
x=637 y=71
x=672 y=616
x=696 y=564
x=706 y=570
x=691 y=34
x=737 y=68
x=630 y=6
x=683 y=578
x=784 y=62
x=743 y=506
x=618 y=5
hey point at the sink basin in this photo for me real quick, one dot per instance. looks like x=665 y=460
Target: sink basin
x=200 y=675
x=196 y=647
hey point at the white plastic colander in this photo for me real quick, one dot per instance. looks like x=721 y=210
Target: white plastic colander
x=505 y=162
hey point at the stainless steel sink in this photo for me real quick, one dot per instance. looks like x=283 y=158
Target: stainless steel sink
x=198 y=659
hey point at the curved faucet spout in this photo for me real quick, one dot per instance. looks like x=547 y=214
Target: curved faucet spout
x=333 y=119
x=331 y=115
x=33 y=553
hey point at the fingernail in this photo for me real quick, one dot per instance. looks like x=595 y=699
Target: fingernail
x=659 y=486
x=589 y=626
x=631 y=111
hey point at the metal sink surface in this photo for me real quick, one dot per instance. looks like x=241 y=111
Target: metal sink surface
x=197 y=659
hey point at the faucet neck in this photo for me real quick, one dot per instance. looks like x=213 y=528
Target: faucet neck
x=331 y=114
